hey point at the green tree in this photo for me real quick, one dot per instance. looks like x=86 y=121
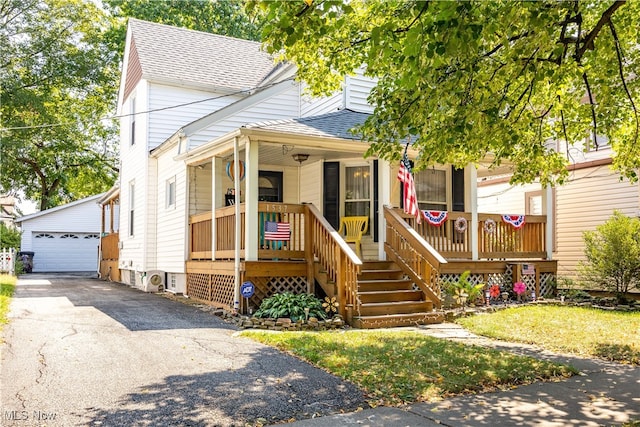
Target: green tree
x=9 y=237
x=58 y=80
x=217 y=17
x=474 y=80
x=613 y=254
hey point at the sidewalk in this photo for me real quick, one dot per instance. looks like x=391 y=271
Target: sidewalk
x=604 y=394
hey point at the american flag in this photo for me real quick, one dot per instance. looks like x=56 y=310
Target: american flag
x=408 y=189
x=277 y=230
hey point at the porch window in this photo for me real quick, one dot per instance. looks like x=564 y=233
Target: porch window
x=431 y=189
x=357 y=191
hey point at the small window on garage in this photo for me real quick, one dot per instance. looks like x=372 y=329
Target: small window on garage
x=69 y=236
x=44 y=236
x=91 y=236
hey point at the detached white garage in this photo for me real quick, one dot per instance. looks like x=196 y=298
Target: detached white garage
x=64 y=238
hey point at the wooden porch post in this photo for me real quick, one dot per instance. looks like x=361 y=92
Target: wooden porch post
x=308 y=250
x=473 y=196
x=214 y=191
x=236 y=255
x=112 y=206
x=251 y=200
x=547 y=201
x=103 y=225
x=384 y=196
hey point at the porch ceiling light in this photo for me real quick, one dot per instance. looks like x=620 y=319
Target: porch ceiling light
x=298 y=157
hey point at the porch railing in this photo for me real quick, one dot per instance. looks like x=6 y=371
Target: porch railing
x=225 y=223
x=337 y=259
x=413 y=255
x=496 y=239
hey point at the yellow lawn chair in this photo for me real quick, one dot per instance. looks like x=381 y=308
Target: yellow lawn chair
x=352 y=228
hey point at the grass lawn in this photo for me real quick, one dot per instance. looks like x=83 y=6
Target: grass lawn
x=400 y=367
x=7 y=286
x=578 y=330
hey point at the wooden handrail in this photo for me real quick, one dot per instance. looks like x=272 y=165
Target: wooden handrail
x=337 y=258
x=415 y=257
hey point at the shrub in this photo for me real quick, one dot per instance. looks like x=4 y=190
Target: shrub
x=613 y=254
x=288 y=304
x=463 y=291
x=9 y=237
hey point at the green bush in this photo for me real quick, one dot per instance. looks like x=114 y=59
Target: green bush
x=288 y=304
x=9 y=237
x=613 y=254
x=463 y=291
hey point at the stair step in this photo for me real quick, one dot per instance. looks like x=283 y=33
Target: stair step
x=395 y=320
x=384 y=285
x=378 y=265
x=398 y=307
x=380 y=274
x=390 y=296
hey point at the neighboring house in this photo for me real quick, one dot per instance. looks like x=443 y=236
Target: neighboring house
x=8 y=212
x=221 y=152
x=588 y=198
x=64 y=238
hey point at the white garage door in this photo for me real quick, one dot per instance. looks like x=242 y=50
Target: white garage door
x=65 y=252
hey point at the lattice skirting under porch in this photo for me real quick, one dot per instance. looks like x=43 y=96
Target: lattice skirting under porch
x=218 y=289
x=505 y=280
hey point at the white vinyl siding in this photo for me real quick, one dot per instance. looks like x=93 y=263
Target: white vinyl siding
x=200 y=187
x=134 y=160
x=166 y=122
x=281 y=106
x=311 y=184
x=170 y=224
x=316 y=106
x=504 y=198
x=356 y=92
x=587 y=201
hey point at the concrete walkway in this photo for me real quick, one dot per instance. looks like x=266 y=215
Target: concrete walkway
x=604 y=394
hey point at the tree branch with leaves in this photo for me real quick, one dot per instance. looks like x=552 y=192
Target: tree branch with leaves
x=476 y=80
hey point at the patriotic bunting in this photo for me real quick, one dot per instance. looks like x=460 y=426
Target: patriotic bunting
x=517 y=221
x=436 y=218
x=410 y=204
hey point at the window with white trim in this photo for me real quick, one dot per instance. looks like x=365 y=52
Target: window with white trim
x=132 y=118
x=431 y=189
x=357 y=190
x=132 y=200
x=171 y=192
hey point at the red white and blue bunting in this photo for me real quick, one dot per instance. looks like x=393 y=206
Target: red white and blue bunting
x=516 y=221
x=436 y=218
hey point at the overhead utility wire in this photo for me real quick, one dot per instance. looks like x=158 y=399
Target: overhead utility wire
x=155 y=109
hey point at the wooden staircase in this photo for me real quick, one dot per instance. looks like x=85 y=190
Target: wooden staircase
x=386 y=298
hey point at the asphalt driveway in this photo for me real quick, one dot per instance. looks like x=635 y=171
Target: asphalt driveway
x=79 y=351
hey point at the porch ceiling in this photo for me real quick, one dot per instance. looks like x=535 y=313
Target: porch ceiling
x=282 y=154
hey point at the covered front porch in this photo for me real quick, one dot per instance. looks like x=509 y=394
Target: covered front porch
x=223 y=254
x=303 y=177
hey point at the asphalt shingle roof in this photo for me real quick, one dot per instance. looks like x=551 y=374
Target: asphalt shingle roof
x=197 y=58
x=336 y=125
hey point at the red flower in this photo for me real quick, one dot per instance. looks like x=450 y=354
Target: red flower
x=494 y=291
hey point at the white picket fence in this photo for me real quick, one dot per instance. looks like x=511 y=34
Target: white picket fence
x=7 y=260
